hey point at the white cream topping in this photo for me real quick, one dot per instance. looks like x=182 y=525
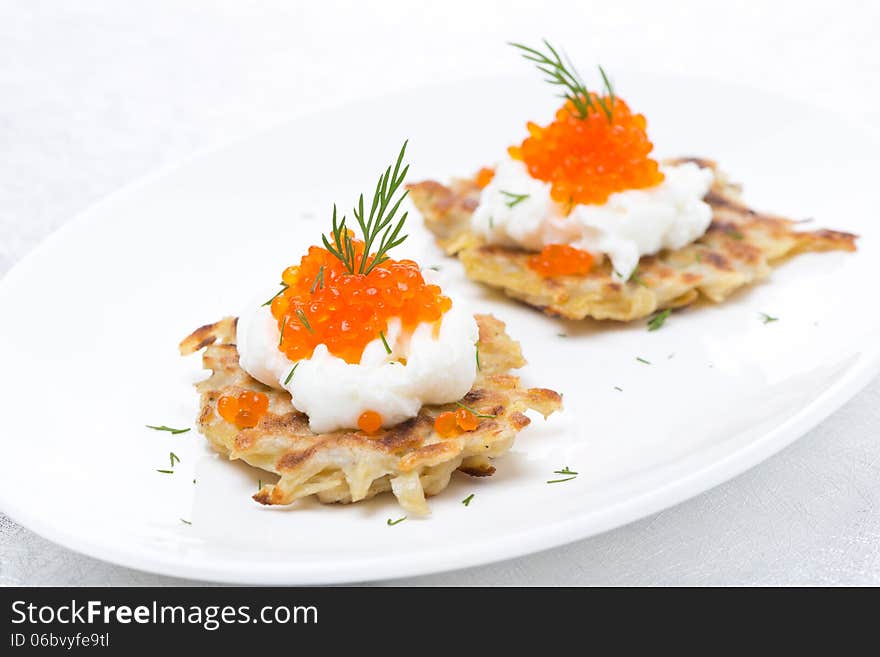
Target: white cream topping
x=334 y=393
x=628 y=225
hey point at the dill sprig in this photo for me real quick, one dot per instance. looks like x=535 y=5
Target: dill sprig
x=467 y=501
x=565 y=75
x=342 y=247
x=383 y=209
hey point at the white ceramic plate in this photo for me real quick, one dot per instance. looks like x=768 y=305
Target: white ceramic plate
x=93 y=317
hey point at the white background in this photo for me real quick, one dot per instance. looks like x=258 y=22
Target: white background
x=95 y=94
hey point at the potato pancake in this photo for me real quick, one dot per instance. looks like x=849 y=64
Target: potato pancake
x=738 y=249
x=410 y=459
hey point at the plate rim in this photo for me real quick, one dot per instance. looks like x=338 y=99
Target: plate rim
x=859 y=373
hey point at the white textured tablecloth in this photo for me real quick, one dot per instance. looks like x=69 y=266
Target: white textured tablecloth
x=95 y=94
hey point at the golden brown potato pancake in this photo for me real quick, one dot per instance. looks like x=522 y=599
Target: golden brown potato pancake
x=738 y=249
x=410 y=459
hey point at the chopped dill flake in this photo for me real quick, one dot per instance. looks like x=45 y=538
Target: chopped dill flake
x=658 y=320
x=166 y=471
x=171 y=430
x=290 y=374
x=642 y=360
x=767 y=318
x=385 y=342
x=283 y=324
x=467 y=501
x=570 y=474
x=474 y=411
x=391 y=522
x=319 y=280
x=301 y=315
x=734 y=233
x=434 y=268
x=185 y=522
x=512 y=200
x=174 y=458
x=562 y=335
x=636 y=278
x=618 y=388
x=278 y=293
x=479 y=366
x=259 y=484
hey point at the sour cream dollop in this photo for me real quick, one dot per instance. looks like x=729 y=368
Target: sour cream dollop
x=628 y=225
x=422 y=368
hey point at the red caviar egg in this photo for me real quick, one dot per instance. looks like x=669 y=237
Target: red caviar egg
x=256 y=402
x=587 y=159
x=561 y=260
x=246 y=419
x=466 y=420
x=445 y=424
x=369 y=422
x=227 y=407
x=325 y=304
x=484 y=177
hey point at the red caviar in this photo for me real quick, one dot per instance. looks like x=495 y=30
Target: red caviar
x=484 y=177
x=243 y=410
x=325 y=304
x=561 y=260
x=369 y=422
x=466 y=420
x=451 y=423
x=445 y=424
x=585 y=160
